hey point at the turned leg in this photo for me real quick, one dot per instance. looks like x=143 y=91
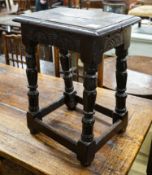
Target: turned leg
x=33 y=93
x=86 y=146
x=121 y=79
x=69 y=93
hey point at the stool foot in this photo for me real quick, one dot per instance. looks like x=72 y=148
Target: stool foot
x=70 y=100
x=124 y=118
x=86 y=152
x=31 y=124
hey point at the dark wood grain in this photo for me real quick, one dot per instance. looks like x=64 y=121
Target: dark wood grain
x=88 y=22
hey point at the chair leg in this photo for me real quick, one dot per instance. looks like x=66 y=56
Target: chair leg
x=149 y=166
x=139 y=24
x=56 y=62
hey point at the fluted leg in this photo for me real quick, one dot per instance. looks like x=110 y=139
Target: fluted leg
x=69 y=93
x=87 y=145
x=121 y=79
x=32 y=77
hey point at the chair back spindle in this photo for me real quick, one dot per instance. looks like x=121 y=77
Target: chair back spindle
x=14 y=51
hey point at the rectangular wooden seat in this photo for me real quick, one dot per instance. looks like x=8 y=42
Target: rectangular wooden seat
x=40 y=154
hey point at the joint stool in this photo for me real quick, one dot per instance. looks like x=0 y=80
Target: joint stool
x=90 y=33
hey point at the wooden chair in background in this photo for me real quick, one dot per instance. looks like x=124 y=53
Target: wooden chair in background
x=24 y=5
x=11 y=7
x=14 y=51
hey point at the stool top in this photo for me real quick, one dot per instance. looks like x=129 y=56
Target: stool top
x=88 y=22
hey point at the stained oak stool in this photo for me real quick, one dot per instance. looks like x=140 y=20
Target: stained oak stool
x=90 y=33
